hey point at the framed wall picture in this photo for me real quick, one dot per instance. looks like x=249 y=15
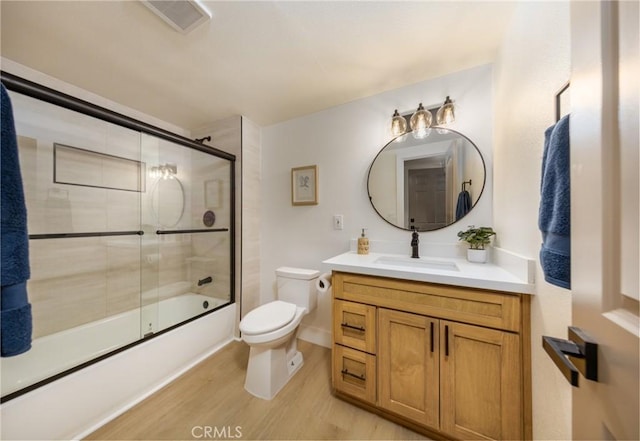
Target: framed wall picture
x=304 y=185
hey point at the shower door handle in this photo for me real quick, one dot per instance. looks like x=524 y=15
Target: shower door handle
x=197 y=230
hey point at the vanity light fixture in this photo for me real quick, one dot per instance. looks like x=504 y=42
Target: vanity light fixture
x=420 y=122
x=422 y=119
x=164 y=171
x=398 y=124
x=446 y=113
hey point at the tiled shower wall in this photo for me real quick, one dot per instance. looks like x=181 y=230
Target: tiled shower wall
x=241 y=137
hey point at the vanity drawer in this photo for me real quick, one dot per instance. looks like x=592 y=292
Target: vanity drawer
x=468 y=305
x=354 y=325
x=354 y=373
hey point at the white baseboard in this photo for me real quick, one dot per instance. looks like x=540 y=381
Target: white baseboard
x=317 y=336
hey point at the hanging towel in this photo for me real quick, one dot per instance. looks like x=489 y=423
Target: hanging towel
x=555 y=206
x=15 y=310
x=464 y=204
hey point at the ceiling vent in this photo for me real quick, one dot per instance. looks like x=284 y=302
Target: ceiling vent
x=182 y=15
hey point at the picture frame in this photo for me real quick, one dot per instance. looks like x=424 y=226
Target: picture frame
x=304 y=185
x=213 y=193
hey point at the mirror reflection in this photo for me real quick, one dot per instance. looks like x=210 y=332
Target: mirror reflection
x=167 y=201
x=428 y=183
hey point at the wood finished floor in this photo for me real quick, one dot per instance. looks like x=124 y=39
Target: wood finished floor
x=212 y=394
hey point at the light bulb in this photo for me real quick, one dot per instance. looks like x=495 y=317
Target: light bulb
x=398 y=124
x=446 y=113
x=421 y=119
x=420 y=122
x=421 y=133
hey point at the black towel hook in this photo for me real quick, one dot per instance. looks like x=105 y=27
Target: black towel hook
x=558 y=98
x=465 y=183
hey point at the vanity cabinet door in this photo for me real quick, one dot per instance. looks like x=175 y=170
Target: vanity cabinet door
x=481 y=382
x=408 y=363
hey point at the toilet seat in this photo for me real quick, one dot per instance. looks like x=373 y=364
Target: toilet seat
x=268 y=317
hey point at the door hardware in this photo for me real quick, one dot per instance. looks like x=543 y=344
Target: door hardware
x=577 y=354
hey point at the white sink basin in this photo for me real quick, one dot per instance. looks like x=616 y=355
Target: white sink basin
x=417 y=263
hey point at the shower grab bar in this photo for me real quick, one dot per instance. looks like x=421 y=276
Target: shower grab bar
x=202 y=230
x=93 y=234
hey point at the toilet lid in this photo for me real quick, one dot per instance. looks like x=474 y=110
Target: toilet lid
x=268 y=317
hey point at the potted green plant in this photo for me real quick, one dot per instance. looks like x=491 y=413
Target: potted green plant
x=477 y=238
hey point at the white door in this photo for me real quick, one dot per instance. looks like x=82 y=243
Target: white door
x=604 y=213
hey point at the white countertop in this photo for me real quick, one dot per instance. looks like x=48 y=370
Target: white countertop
x=472 y=275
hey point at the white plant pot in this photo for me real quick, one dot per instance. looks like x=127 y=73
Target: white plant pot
x=477 y=256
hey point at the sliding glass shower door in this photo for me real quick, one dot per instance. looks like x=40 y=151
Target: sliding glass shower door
x=186 y=213
x=130 y=232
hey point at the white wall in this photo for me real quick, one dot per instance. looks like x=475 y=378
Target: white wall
x=343 y=141
x=25 y=72
x=534 y=63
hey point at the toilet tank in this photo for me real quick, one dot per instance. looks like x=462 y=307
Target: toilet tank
x=298 y=286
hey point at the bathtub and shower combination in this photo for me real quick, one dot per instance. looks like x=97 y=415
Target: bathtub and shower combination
x=131 y=233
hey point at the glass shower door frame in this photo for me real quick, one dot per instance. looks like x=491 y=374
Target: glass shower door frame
x=48 y=95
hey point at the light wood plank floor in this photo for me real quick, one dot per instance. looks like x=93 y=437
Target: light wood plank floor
x=212 y=394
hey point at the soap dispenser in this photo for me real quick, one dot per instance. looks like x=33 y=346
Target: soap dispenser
x=363 y=244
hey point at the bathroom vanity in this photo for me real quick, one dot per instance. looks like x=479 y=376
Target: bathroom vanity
x=451 y=360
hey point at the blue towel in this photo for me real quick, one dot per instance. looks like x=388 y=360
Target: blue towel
x=15 y=310
x=464 y=204
x=555 y=206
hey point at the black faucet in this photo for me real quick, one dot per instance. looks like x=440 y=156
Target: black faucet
x=414 y=244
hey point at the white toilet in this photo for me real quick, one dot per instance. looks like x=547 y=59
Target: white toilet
x=270 y=330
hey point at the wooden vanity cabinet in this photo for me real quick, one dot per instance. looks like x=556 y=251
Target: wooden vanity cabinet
x=448 y=361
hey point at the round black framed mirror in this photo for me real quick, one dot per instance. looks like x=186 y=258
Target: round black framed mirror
x=426 y=183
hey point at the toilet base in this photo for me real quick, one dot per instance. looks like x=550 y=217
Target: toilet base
x=269 y=370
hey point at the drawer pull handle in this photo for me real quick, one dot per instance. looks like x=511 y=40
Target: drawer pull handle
x=356 y=328
x=359 y=377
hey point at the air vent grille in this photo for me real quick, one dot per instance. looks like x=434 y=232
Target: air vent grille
x=182 y=15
